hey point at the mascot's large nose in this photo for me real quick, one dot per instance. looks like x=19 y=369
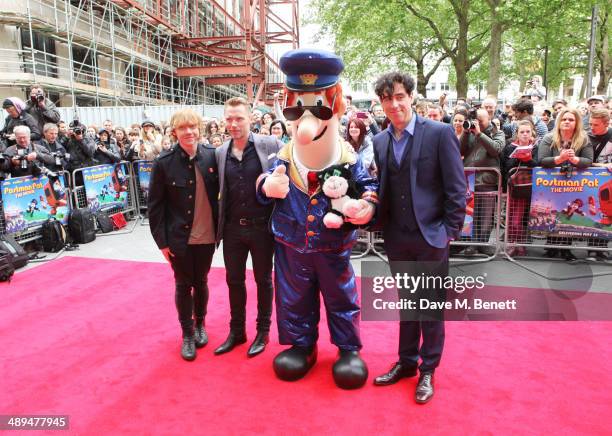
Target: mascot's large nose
x=307 y=129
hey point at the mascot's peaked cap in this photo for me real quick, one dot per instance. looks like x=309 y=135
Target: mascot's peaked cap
x=310 y=70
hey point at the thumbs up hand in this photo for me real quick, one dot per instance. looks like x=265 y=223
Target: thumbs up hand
x=277 y=183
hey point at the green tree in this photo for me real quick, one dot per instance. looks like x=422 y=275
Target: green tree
x=460 y=30
x=374 y=36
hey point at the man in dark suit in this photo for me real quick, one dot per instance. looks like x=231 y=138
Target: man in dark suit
x=422 y=207
x=243 y=223
x=183 y=211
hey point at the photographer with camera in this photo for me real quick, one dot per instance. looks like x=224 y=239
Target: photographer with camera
x=17 y=117
x=56 y=149
x=41 y=108
x=80 y=147
x=481 y=146
x=106 y=148
x=566 y=147
x=25 y=158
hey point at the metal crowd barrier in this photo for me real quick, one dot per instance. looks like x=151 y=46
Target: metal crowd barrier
x=80 y=194
x=35 y=232
x=519 y=241
x=141 y=195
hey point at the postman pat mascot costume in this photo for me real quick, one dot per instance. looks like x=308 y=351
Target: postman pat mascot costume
x=312 y=250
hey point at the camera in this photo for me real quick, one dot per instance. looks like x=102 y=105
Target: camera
x=22 y=156
x=39 y=97
x=58 y=156
x=470 y=123
x=567 y=169
x=76 y=127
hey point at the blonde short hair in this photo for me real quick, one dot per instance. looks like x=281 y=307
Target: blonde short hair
x=186 y=116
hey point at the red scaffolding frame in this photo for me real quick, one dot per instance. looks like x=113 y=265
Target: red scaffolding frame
x=234 y=36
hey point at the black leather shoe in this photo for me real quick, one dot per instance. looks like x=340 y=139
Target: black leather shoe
x=425 y=388
x=350 y=371
x=258 y=345
x=233 y=339
x=188 y=350
x=295 y=362
x=200 y=336
x=395 y=374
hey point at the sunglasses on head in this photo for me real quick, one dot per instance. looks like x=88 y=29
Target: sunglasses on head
x=324 y=113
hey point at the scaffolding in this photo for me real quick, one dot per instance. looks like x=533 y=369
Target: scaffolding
x=151 y=52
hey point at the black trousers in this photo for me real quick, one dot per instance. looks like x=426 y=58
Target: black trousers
x=238 y=241
x=403 y=247
x=191 y=272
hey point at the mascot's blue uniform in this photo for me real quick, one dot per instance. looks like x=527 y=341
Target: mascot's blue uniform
x=310 y=257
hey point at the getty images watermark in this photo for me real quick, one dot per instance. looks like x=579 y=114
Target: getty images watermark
x=424 y=291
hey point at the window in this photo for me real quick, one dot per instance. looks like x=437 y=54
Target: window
x=45 y=61
x=84 y=66
x=444 y=87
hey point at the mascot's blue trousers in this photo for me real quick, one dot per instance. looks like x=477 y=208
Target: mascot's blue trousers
x=298 y=279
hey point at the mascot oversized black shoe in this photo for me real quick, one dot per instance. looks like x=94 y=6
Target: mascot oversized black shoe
x=350 y=371
x=293 y=363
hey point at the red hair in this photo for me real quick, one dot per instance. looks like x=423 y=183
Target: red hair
x=339 y=104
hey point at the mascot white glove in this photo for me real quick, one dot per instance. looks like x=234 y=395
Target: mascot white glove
x=358 y=212
x=277 y=183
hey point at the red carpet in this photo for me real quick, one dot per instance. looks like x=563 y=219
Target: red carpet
x=98 y=340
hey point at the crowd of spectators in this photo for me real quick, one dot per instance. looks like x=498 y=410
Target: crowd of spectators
x=35 y=137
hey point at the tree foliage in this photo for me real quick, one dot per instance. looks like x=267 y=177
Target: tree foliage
x=486 y=41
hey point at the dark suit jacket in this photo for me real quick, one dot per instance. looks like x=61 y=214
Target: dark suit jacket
x=437 y=181
x=172 y=195
x=266 y=147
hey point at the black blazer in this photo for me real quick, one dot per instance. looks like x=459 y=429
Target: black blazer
x=171 y=202
x=437 y=181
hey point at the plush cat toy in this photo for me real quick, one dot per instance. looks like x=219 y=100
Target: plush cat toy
x=336 y=184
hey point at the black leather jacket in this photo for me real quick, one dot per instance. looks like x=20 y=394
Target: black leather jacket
x=172 y=189
x=81 y=152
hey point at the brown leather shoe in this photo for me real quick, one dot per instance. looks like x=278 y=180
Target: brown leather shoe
x=395 y=374
x=425 y=388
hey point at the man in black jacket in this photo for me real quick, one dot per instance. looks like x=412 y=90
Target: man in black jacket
x=182 y=206
x=80 y=147
x=41 y=108
x=56 y=149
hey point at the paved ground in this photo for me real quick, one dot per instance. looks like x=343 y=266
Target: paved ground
x=136 y=243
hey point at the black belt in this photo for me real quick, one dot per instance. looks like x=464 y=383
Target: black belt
x=249 y=221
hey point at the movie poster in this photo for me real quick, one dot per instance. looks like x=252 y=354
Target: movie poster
x=30 y=201
x=468 y=223
x=106 y=186
x=144 y=178
x=579 y=206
